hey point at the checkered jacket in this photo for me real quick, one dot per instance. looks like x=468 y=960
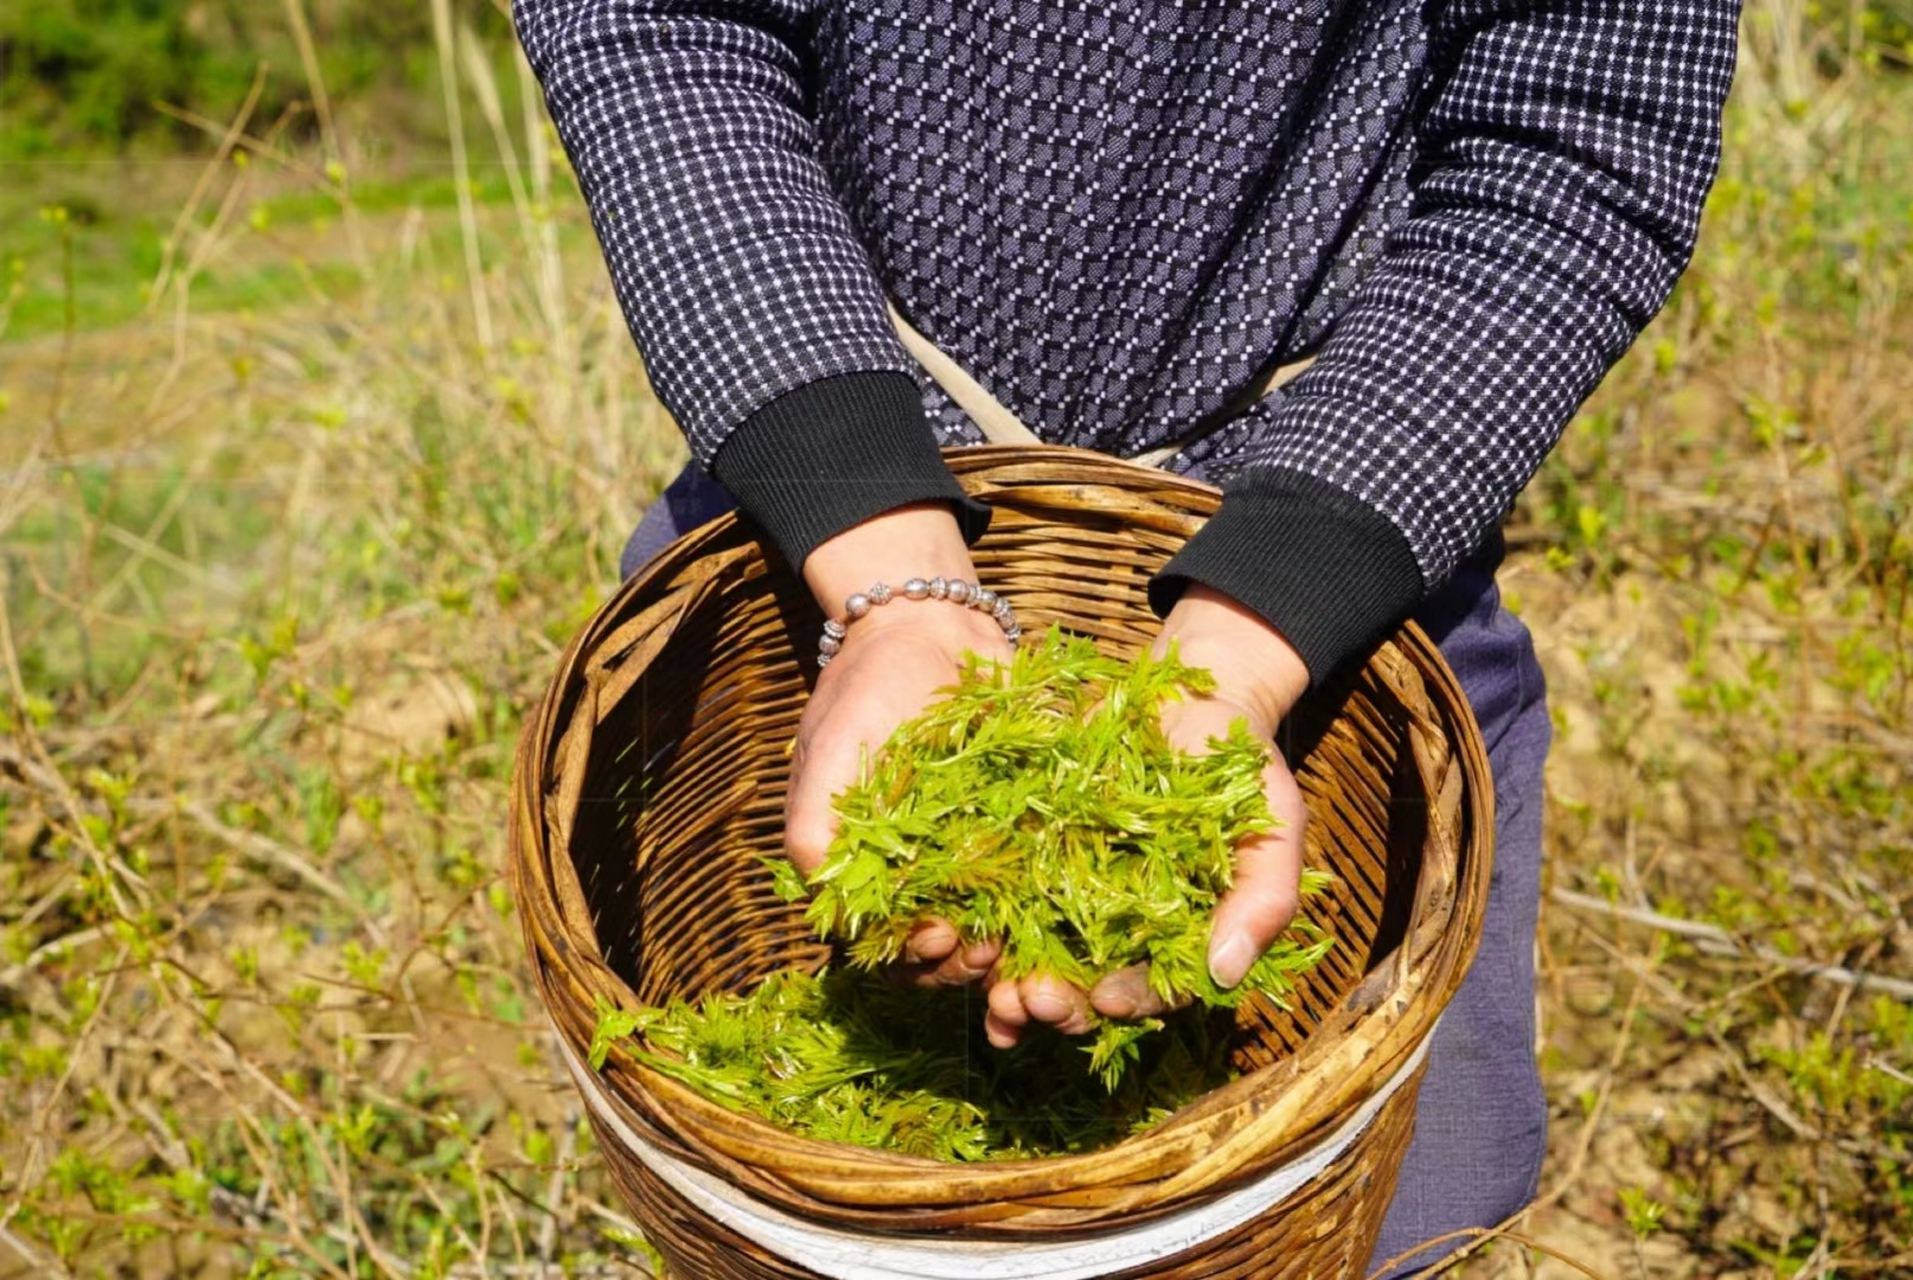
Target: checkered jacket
x=1116 y=216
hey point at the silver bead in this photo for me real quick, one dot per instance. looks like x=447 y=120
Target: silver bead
x=916 y=589
x=829 y=646
x=834 y=629
x=879 y=593
x=1013 y=635
x=984 y=600
x=858 y=605
x=1007 y=621
x=823 y=659
x=961 y=591
x=939 y=588
x=1000 y=610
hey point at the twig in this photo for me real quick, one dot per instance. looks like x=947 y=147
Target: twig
x=43 y=773
x=1889 y=1070
x=1478 y=1236
x=462 y=177
x=555 y=1189
x=39 y=1266
x=272 y=853
x=170 y=1149
x=250 y=843
x=228 y=136
x=36 y=1159
x=1584 y=1142
x=11 y=976
x=328 y=127
x=252 y=142
x=1714 y=940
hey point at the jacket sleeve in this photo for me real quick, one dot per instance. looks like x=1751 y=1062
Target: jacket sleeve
x=1562 y=160
x=752 y=301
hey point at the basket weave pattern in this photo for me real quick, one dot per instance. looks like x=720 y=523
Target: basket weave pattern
x=652 y=775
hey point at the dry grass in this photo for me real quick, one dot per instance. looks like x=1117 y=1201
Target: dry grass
x=1717 y=562
x=278 y=587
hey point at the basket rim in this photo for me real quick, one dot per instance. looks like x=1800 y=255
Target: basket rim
x=1254 y=1122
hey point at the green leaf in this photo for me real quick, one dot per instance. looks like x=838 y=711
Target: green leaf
x=613 y=1025
x=787 y=882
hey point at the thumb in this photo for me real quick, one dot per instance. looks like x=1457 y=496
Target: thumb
x=1267 y=890
x=826 y=763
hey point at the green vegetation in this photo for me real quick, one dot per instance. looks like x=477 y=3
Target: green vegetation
x=1040 y=803
x=91 y=77
x=853 y=1057
x=74 y=254
x=112 y=105
x=1720 y=559
x=281 y=572
x=1043 y=805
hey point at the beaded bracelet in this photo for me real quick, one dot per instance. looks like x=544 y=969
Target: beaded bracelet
x=968 y=594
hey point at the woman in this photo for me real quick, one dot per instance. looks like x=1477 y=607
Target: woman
x=1118 y=219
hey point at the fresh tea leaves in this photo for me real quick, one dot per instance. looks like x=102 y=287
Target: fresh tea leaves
x=849 y=1056
x=1042 y=804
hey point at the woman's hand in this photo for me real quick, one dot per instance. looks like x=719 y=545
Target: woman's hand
x=893 y=661
x=1258 y=678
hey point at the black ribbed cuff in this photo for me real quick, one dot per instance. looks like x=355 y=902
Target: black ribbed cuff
x=834 y=453
x=1329 y=572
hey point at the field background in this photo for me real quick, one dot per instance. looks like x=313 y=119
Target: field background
x=319 y=433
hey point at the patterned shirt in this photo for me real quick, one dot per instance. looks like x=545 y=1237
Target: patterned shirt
x=1116 y=216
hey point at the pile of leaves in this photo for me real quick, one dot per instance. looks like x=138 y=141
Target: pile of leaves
x=1040 y=804
x=851 y=1056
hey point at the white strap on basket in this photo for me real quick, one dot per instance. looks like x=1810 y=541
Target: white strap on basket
x=1000 y=426
x=849 y=1255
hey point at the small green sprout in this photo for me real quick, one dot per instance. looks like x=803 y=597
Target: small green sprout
x=1042 y=804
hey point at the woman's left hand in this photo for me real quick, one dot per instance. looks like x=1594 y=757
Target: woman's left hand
x=1258 y=678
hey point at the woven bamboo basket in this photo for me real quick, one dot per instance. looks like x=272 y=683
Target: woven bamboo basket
x=652 y=775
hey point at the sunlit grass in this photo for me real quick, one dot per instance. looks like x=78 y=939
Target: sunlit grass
x=288 y=548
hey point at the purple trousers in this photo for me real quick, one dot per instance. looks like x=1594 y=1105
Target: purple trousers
x=1481 y=1119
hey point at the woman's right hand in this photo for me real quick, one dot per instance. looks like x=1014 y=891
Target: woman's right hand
x=893 y=661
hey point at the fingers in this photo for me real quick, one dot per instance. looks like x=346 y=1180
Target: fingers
x=1058 y=1003
x=1004 y=1022
x=1268 y=874
x=930 y=942
x=1260 y=904
x=935 y=956
x=828 y=763
x=1268 y=868
x=1126 y=995
x=1038 y=998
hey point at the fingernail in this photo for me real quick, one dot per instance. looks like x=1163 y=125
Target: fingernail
x=1230 y=960
x=1117 y=1005
x=1047 y=1008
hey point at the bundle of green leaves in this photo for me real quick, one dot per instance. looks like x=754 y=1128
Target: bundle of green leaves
x=850 y=1056
x=1042 y=804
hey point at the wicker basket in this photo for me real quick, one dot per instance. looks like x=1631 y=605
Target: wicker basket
x=653 y=774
